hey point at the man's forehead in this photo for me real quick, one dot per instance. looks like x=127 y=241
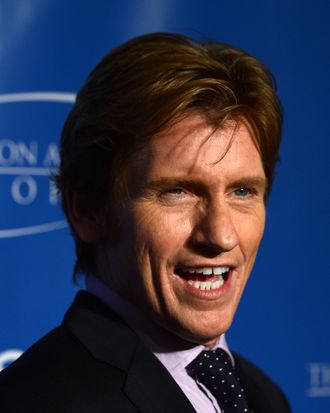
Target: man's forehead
x=192 y=138
x=193 y=147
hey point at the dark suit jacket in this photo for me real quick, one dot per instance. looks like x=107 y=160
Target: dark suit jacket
x=95 y=363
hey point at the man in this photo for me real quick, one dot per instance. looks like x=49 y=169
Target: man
x=167 y=159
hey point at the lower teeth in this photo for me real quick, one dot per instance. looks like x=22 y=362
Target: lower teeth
x=208 y=285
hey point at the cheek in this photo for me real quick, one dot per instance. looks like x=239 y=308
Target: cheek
x=158 y=229
x=251 y=229
x=259 y=227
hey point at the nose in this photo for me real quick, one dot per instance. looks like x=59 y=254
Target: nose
x=214 y=230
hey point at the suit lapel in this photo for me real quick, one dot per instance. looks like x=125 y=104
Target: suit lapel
x=157 y=391
x=148 y=384
x=257 y=396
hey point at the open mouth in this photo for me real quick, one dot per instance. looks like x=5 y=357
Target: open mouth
x=206 y=278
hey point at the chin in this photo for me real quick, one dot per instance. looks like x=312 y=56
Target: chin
x=206 y=334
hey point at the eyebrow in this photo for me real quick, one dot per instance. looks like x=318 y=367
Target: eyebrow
x=247 y=181
x=255 y=181
x=171 y=181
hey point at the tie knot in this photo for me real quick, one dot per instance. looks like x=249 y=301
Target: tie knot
x=211 y=359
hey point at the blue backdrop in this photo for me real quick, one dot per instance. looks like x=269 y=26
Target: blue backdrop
x=47 y=47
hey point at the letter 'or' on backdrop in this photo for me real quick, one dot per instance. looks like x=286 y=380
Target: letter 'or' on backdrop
x=47 y=48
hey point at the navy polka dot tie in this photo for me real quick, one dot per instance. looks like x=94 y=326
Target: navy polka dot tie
x=214 y=369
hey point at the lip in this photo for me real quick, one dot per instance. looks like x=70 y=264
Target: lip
x=187 y=266
x=232 y=265
x=215 y=294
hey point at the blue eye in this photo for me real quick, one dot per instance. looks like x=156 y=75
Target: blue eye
x=175 y=191
x=242 y=192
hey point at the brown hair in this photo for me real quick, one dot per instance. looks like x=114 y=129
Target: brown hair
x=136 y=90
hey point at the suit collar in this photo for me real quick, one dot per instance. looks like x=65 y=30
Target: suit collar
x=108 y=339
x=101 y=331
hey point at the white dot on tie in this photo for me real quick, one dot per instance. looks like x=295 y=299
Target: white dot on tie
x=235 y=405
x=212 y=377
x=230 y=373
x=239 y=395
x=210 y=366
x=233 y=385
x=200 y=363
x=222 y=381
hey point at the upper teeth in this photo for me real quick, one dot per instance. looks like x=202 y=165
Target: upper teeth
x=208 y=270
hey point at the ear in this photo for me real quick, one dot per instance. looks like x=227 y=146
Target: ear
x=86 y=222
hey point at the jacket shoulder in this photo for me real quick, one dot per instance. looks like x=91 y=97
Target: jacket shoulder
x=58 y=374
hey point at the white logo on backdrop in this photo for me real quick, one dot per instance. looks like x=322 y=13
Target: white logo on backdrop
x=8 y=356
x=26 y=165
x=319 y=380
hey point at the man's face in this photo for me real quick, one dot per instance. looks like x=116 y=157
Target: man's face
x=189 y=235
